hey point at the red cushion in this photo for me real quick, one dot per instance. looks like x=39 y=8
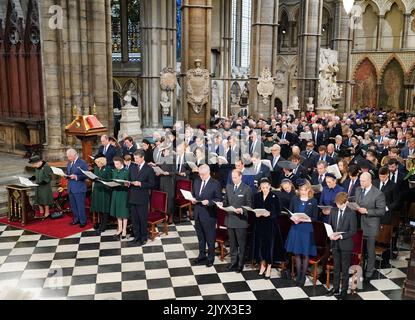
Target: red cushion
x=155 y=216
x=221 y=235
x=158 y=200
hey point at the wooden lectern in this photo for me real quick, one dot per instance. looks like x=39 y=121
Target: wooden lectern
x=409 y=286
x=87 y=129
x=19 y=208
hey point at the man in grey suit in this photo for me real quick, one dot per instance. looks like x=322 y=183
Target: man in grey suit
x=237 y=194
x=372 y=205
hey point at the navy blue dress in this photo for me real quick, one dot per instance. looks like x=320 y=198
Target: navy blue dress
x=301 y=237
x=267 y=241
x=327 y=198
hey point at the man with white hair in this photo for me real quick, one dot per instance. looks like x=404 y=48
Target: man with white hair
x=76 y=187
x=372 y=206
x=205 y=192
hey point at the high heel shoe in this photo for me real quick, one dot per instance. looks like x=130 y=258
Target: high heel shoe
x=262 y=272
x=123 y=237
x=266 y=275
x=117 y=236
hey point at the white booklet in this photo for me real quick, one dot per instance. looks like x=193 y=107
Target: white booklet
x=111 y=184
x=26 y=182
x=89 y=174
x=158 y=170
x=267 y=163
x=258 y=212
x=58 y=171
x=334 y=169
x=299 y=216
x=329 y=230
x=188 y=195
x=119 y=181
x=353 y=205
x=306 y=135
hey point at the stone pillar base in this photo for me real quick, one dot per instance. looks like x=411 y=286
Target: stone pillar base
x=54 y=153
x=130 y=122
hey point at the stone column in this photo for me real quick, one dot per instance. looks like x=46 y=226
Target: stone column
x=158 y=25
x=196 y=44
x=226 y=54
x=311 y=13
x=406 y=26
x=77 y=67
x=381 y=19
x=342 y=43
x=264 y=46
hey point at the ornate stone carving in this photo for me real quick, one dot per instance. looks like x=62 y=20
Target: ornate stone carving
x=329 y=91
x=216 y=100
x=310 y=104
x=128 y=99
x=165 y=103
x=265 y=85
x=197 y=86
x=295 y=104
x=168 y=80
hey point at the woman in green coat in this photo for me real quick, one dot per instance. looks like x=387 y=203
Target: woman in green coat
x=101 y=194
x=43 y=178
x=119 y=198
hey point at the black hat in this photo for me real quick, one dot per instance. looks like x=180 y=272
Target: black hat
x=269 y=134
x=264 y=180
x=35 y=158
x=365 y=164
x=330 y=175
x=300 y=182
x=345 y=153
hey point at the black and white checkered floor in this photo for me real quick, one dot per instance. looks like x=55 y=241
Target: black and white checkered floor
x=85 y=266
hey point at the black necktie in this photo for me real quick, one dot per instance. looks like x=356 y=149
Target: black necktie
x=234 y=189
x=338 y=220
x=203 y=186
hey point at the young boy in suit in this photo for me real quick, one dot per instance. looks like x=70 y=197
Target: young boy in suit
x=344 y=223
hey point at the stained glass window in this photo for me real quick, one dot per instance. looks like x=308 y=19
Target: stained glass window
x=179 y=30
x=241 y=33
x=116 y=26
x=134 y=34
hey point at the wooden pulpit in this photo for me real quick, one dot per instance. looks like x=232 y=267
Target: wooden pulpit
x=19 y=208
x=409 y=289
x=87 y=129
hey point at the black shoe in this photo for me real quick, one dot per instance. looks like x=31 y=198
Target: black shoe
x=333 y=292
x=143 y=242
x=134 y=243
x=239 y=269
x=199 y=261
x=231 y=267
x=97 y=226
x=342 y=295
x=82 y=225
x=209 y=264
x=73 y=223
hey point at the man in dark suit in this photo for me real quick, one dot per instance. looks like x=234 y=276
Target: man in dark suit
x=255 y=144
x=142 y=181
x=309 y=154
x=76 y=187
x=181 y=169
x=275 y=158
x=259 y=169
x=287 y=141
x=323 y=156
x=129 y=147
x=108 y=150
x=397 y=176
x=352 y=182
x=388 y=188
x=342 y=219
x=372 y=205
x=206 y=191
x=237 y=195
x=318 y=136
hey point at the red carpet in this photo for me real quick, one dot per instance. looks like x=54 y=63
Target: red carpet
x=55 y=228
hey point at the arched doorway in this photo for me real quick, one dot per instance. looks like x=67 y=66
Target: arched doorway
x=278 y=105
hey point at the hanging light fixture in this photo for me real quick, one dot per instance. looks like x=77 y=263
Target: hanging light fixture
x=348 y=5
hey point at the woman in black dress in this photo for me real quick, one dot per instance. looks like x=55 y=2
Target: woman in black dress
x=286 y=194
x=167 y=179
x=267 y=242
x=148 y=150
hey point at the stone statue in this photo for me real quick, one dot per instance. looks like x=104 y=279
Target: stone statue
x=128 y=99
x=310 y=104
x=215 y=96
x=165 y=103
x=329 y=91
x=295 y=105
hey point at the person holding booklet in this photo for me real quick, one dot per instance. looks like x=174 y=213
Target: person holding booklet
x=119 y=199
x=327 y=198
x=300 y=240
x=101 y=194
x=267 y=247
x=43 y=178
x=167 y=179
x=237 y=195
x=344 y=224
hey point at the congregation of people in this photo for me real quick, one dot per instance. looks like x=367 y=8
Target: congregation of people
x=280 y=164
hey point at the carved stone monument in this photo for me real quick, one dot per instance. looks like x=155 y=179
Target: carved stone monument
x=216 y=98
x=329 y=92
x=197 y=87
x=130 y=122
x=165 y=103
x=295 y=104
x=168 y=83
x=265 y=85
x=310 y=104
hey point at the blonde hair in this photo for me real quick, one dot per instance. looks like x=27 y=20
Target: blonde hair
x=101 y=161
x=307 y=184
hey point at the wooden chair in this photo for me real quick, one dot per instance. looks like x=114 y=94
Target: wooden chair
x=158 y=212
x=180 y=201
x=284 y=222
x=323 y=252
x=383 y=243
x=356 y=258
x=221 y=233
